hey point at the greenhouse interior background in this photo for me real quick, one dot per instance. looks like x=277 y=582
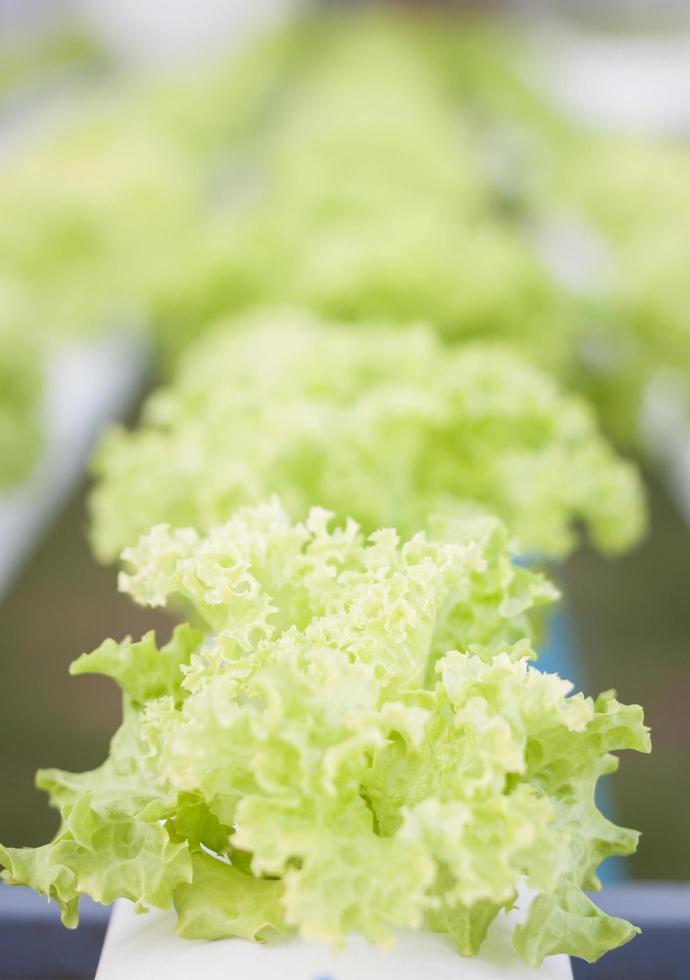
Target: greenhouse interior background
x=155 y=178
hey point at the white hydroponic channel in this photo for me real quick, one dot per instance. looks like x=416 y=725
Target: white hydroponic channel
x=145 y=947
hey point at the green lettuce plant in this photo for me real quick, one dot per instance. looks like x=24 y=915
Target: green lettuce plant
x=385 y=424
x=346 y=736
x=95 y=214
x=369 y=200
x=89 y=220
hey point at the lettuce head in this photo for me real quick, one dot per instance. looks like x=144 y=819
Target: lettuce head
x=346 y=735
x=387 y=425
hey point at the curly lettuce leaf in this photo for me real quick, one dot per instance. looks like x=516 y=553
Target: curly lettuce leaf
x=569 y=922
x=141 y=669
x=35 y=867
x=472 y=590
x=115 y=855
x=105 y=852
x=112 y=842
x=222 y=901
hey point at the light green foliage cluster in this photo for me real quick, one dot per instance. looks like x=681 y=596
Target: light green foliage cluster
x=370 y=200
x=89 y=221
x=385 y=424
x=21 y=382
x=348 y=738
x=26 y=63
x=96 y=216
x=368 y=168
x=78 y=242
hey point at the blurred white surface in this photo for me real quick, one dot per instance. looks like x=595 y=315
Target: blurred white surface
x=145 y=947
x=88 y=386
x=635 y=84
x=156 y=32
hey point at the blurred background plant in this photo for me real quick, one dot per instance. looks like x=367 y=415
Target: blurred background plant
x=387 y=426
x=156 y=175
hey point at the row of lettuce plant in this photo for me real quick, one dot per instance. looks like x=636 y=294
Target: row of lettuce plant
x=380 y=133
x=629 y=194
x=345 y=732
x=372 y=202
x=95 y=212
